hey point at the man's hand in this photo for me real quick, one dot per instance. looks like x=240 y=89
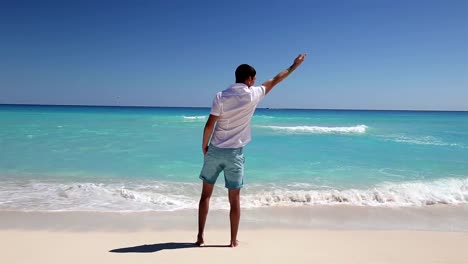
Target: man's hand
x=300 y=59
x=205 y=150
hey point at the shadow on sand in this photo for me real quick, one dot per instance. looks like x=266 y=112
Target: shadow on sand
x=161 y=246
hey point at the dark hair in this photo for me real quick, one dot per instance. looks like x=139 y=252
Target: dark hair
x=243 y=72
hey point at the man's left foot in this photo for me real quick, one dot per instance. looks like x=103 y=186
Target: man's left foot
x=234 y=243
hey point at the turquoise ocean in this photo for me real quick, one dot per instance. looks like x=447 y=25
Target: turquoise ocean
x=131 y=159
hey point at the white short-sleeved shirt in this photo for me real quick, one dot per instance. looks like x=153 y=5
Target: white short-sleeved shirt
x=235 y=107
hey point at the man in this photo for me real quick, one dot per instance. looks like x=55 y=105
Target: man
x=230 y=118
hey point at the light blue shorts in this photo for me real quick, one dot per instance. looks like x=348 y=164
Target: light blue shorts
x=229 y=160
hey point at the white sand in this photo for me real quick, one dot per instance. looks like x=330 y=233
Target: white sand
x=310 y=235
x=257 y=246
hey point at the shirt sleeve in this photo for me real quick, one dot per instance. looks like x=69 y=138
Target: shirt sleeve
x=263 y=90
x=260 y=92
x=216 y=107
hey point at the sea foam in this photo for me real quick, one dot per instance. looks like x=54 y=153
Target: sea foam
x=167 y=196
x=194 y=117
x=359 y=129
x=444 y=191
x=421 y=140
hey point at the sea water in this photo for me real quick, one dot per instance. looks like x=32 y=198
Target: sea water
x=129 y=159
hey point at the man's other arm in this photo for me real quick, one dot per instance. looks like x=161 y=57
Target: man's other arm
x=208 y=131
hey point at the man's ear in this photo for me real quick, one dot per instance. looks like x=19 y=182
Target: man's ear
x=250 y=80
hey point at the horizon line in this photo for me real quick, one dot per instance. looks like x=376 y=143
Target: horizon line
x=266 y=108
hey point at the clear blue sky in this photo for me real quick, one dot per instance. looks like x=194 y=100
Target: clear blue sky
x=362 y=54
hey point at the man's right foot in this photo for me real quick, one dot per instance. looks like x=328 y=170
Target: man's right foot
x=200 y=242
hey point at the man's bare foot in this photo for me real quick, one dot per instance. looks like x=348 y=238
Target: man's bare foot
x=234 y=243
x=200 y=242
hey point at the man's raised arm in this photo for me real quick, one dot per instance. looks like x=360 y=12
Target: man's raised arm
x=282 y=75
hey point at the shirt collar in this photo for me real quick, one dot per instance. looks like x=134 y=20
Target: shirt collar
x=239 y=86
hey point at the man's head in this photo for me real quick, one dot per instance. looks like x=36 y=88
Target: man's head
x=245 y=74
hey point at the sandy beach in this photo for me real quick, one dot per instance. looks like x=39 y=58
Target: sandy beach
x=167 y=238
x=257 y=246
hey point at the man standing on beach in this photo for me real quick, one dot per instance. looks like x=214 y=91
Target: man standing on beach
x=230 y=118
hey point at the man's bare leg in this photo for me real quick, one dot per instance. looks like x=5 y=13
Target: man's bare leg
x=234 y=215
x=203 y=208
